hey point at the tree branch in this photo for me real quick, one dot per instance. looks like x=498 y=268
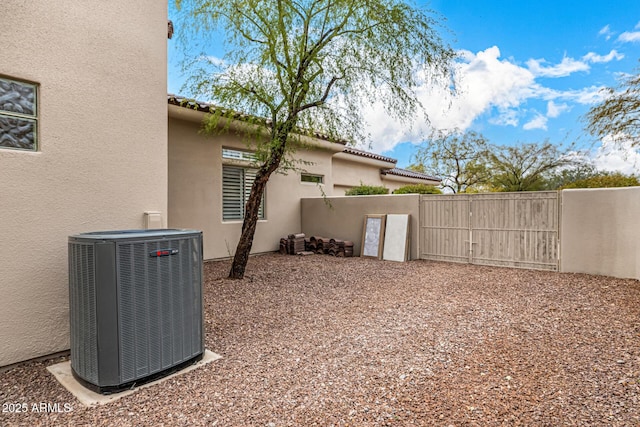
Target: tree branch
x=322 y=100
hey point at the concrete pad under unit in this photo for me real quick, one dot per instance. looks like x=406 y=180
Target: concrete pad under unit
x=62 y=372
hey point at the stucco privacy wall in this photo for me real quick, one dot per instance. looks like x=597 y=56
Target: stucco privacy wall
x=600 y=232
x=343 y=217
x=195 y=187
x=102 y=157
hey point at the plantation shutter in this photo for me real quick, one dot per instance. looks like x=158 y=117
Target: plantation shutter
x=232 y=193
x=236 y=188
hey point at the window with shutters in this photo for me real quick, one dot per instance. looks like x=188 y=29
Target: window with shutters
x=236 y=187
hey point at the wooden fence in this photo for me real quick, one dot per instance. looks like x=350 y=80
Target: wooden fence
x=501 y=229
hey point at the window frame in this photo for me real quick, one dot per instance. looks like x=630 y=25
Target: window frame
x=311 y=178
x=26 y=118
x=238 y=155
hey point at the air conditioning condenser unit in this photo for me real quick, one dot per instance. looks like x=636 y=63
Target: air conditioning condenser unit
x=136 y=309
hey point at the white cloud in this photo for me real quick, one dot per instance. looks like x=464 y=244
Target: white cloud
x=487 y=86
x=606 y=32
x=554 y=110
x=484 y=82
x=563 y=69
x=505 y=117
x=585 y=96
x=594 y=58
x=617 y=155
x=538 y=122
x=629 y=37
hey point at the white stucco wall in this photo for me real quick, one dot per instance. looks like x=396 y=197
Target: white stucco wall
x=102 y=157
x=600 y=232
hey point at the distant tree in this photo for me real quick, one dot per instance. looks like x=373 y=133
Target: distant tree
x=366 y=190
x=618 y=116
x=525 y=167
x=458 y=159
x=306 y=65
x=605 y=180
x=567 y=175
x=418 y=189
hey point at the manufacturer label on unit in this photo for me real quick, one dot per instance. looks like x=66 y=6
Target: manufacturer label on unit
x=163 y=252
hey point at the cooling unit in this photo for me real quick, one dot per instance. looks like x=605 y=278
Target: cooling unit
x=135 y=300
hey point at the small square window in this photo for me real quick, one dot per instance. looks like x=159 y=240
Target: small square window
x=18 y=115
x=316 y=179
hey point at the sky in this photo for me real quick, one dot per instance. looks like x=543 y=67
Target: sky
x=527 y=72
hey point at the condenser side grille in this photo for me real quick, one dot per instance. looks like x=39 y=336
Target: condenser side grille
x=82 y=303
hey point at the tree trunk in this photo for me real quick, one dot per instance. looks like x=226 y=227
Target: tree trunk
x=252 y=209
x=278 y=144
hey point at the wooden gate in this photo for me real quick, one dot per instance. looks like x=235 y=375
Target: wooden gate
x=502 y=229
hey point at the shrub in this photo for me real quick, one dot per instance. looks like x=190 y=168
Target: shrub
x=366 y=190
x=605 y=180
x=418 y=189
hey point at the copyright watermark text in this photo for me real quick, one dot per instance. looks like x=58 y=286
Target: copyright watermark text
x=41 y=407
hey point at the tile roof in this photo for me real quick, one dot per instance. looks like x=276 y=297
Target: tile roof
x=206 y=107
x=356 y=152
x=409 y=174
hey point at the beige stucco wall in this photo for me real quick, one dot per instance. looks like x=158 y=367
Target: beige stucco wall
x=600 y=232
x=343 y=217
x=102 y=158
x=350 y=170
x=195 y=187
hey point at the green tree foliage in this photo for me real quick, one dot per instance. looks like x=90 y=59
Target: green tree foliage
x=458 y=159
x=306 y=65
x=618 y=116
x=605 y=180
x=418 y=189
x=366 y=190
x=526 y=167
x=565 y=176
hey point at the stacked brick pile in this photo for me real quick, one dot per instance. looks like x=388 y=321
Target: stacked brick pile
x=297 y=244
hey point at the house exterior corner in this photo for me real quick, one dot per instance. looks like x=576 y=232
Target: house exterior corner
x=98 y=70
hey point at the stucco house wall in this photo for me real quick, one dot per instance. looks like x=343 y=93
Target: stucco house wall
x=195 y=179
x=195 y=186
x=352 y=170
x=354 y=167
x=100 y=68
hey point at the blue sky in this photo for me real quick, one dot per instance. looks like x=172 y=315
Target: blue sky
x=528 y=72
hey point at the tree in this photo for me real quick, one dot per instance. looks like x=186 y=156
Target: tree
x=618 y=116
x=459 y=159
x=605 y=180
x=525 y=167
x=567 y=175
x=305 y=65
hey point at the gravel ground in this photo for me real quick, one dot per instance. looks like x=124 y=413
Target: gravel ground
x=359 y=342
